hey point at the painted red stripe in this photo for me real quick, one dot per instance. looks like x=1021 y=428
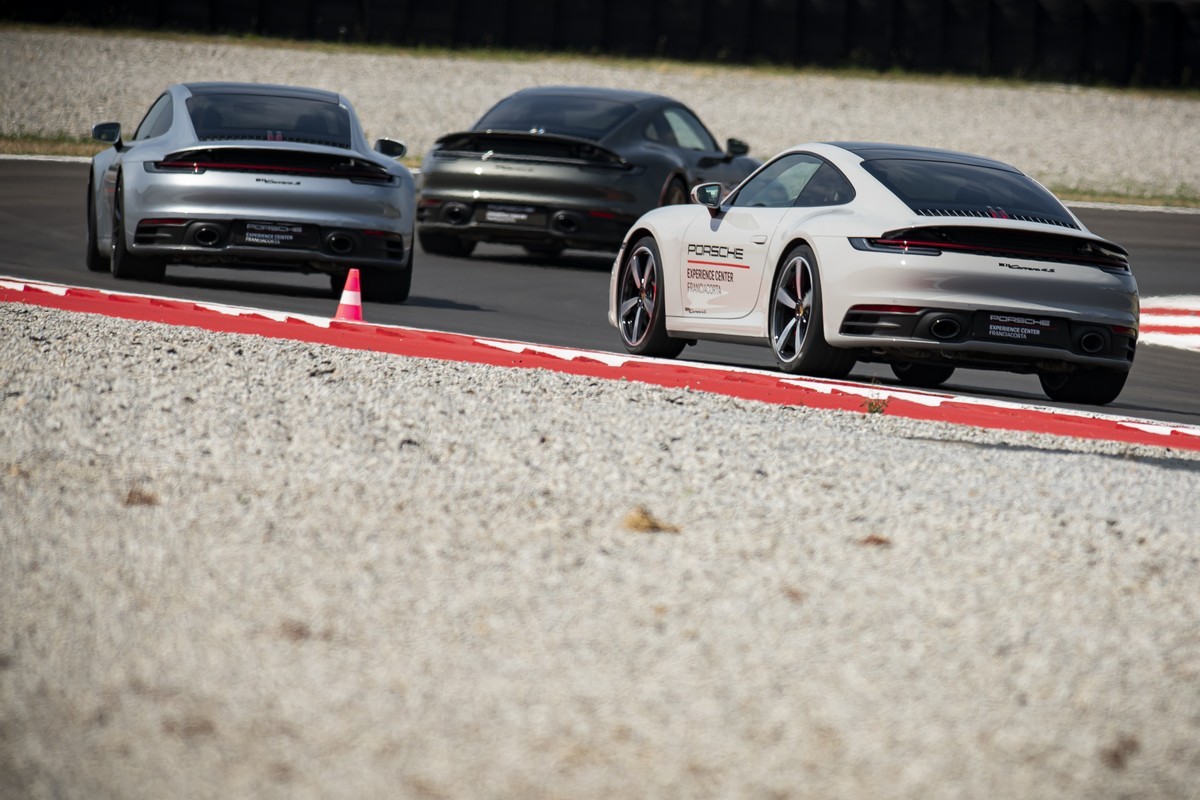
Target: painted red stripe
x=764 y=386
x=1176 y=329
x=719 y=264
x=1163 y=311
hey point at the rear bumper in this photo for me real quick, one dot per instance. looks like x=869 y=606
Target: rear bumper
x=522 y=224
x=223 y=242
x=978 y=310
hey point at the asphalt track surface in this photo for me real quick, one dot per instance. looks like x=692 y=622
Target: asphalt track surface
x=504 y=293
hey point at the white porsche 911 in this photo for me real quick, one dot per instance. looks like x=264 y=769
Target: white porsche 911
x=927 y=260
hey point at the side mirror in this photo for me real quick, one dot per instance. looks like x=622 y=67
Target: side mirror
x=391 y=148
x=707 y=195
x=107 y=132
x=736 y=147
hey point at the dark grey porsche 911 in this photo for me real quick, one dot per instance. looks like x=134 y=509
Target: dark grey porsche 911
x=563 y=166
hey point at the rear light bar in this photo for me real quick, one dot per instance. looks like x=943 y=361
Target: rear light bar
x=1087 y=253
x=201 y=167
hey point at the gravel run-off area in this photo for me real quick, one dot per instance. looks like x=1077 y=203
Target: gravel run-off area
x=235 y=567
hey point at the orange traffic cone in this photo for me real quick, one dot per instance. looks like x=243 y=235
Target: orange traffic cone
x=350 y=307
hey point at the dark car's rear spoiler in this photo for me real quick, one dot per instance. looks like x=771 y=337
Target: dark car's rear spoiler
x=528 y=146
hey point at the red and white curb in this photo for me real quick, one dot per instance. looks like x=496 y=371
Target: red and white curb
x=747 y=384
x=1171 y=321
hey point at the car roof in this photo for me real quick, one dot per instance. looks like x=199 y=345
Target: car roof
x=873 y=151
x=631 y=96
x=231 y=87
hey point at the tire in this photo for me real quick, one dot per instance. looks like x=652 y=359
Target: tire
x=384 y=286
x=641 y=318
x=1095 y=387
x=443 y=244
x=676 y=194
x=926 y=376
x=337 y=283
x=94 y=260
x=795 y=321
x=125 y=265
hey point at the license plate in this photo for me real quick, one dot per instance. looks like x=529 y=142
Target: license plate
x=525 y=216
x=1021 y=329
x=275 y=234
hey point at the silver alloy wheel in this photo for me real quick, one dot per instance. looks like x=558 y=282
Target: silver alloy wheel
x=793 y=304
x=638 y=296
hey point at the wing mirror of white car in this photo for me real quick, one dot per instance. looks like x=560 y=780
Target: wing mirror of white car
x=107 y=132
x=736 y=147
x=391 y=148
x=707 y=195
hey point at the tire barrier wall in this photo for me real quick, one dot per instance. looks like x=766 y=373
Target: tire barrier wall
x=1114 y=42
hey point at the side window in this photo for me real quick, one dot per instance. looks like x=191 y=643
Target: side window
x=827 y=187
x=688 y=132
x=157 y=120
x=779 y=183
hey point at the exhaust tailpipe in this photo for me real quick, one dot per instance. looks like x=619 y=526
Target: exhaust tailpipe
x=945 y=328
x=207 y=236
x=456 y=214
x=1091 y=343
x=567 y=223
x=339 y=244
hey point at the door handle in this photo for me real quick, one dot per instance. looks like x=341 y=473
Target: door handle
x=758 y=239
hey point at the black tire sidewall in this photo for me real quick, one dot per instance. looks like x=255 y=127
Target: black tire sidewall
x=1096 y=387
x=675 y=185
x=656 y=342
x=444 y=244
x=816 y=357
x=94 y=261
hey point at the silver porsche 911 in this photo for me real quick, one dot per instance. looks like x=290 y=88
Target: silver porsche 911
x=927 y=260
x=252 y=175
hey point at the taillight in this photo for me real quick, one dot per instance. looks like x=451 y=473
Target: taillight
x=869 y=309
x=903 y=246
x=192 y=167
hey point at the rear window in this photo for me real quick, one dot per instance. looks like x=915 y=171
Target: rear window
x=565 y=115
x=946 y=188
x=258 y=116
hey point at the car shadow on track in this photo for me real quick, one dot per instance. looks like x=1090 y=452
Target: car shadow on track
x=283 y=284
x=583 y=261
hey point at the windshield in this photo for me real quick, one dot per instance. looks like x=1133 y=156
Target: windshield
x=269 y=117
x=566 y=115
x=947 y=188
